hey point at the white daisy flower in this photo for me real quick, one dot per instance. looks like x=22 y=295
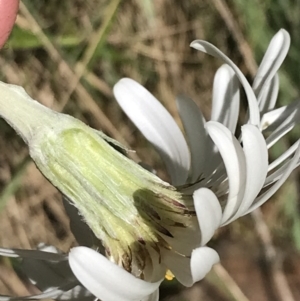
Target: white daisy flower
x=146 y=226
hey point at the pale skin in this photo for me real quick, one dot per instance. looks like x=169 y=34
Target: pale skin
x=8 y=14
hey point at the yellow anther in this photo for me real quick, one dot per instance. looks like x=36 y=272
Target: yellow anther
x=169 y=275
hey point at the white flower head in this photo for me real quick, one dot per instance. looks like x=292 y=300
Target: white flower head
x=147 y=226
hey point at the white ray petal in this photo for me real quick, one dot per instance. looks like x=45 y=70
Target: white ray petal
x=276 y=135
x=283 y=156
x=57 y=293
x=209 y=213
x=34 y=254
x=53 y=277
x=157 y=125
x=106 y=280
x=272 y=60
x=78 y=293
x=270 y=117
x=193 y=122
x=268 y=97
x=252 y=101
x=190 y=270
x=235 y=164
x=226 y=98
x=202 y=261
x=265 y=196
x=276 y=175
x=47 y=274
x=285 y=122
x=256 y=153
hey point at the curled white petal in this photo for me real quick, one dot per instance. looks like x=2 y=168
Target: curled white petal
x=235 y=164
x=202 y=261
x=272 y=60
x=292 y=164
x=251 y=98
x=226 y=98
x=106 y=280
x=256 y=154
x=209 y=213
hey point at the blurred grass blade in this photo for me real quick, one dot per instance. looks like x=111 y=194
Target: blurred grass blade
x=14 y=184
x=23 y=39
x=98 y=38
